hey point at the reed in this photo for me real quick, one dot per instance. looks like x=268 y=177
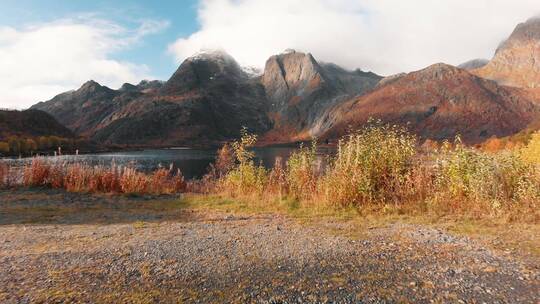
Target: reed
x=80 y=177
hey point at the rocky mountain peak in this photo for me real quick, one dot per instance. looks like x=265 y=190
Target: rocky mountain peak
x=438 y=72
x=291 y=75
x=127 y=87
x=524 y=33
x=203 y=69
x=90 y=85
x=517 y=60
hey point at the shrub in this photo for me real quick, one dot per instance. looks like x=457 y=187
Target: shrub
x=4 y=175
x=245 y=178
x=465 y=176
x=77 y=178
x=302 y=172
x=163 y=181
x=528 y=188
x=531 y=152
x=57 y=175
x=37 y=173
x=370 y=166
x=277 y=179
x=133 y=182
x=104 y=180
x=225 y=160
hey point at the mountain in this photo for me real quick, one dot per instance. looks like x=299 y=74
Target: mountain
x=299 y=90
x=209 y=98
x=517 y=60
x=81 y=110
x=438 y=103
x=30 y=123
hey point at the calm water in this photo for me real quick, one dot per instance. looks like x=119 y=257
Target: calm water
x=192 y=162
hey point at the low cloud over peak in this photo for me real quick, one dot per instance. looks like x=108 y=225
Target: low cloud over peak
x=385 y=36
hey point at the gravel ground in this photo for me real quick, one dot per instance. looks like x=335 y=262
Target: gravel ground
x=62 y=248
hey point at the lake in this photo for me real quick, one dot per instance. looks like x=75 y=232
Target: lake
x=192 y=162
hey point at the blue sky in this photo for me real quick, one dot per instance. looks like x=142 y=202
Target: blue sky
x=181 y=15
x=51 y=46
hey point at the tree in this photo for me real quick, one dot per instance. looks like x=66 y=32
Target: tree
x=4 y=147
x=44 y=143
x=14 y=145
x=31 y=145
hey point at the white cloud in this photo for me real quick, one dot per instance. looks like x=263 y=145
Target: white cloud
x=39 y=61
x=385 y=36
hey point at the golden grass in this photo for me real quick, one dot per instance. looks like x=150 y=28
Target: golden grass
x=381 y=169
x=80 y=177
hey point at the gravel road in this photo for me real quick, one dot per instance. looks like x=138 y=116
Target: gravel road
x=57 y=247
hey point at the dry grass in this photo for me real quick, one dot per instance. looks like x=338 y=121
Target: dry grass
x=4 y=175
x=381 y=169
x=378 y=169
x=98 y=179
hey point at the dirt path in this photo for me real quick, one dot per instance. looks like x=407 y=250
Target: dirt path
x=63 y=248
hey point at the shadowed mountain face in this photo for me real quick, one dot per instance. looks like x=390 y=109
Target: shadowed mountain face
x=517 y=60
x=30 y=123
x=81 y=110
x=440 y=102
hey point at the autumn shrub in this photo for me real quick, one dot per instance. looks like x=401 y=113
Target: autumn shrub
x=302 y=172
x=4 y=175
x=225 y=160
x=163 y=181
x=134 y=182
x=467 y=178
x=246 y=178
x=531 y=152
x=105 y=180
x=37 y=173
x=277 y=180
x=224 y=163
x=370 y=166
x=528 y=188
x=57 y=175
x=77 y=178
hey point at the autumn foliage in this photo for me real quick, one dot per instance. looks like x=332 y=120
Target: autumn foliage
x=96 y=179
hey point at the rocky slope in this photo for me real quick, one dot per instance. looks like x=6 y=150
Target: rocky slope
x=517 y=60
x=30 y=123
x=440 y=102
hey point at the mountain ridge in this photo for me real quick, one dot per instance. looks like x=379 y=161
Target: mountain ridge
x=210 y=97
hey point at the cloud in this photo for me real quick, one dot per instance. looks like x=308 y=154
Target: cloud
x=385 y=36
x=39 y=61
